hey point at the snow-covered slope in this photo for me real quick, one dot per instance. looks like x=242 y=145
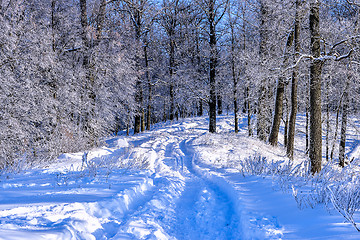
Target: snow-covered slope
x=174 y=182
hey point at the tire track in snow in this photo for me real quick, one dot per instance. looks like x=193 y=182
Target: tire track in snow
x=204 y=210
x=151 y=219
x=185 y=205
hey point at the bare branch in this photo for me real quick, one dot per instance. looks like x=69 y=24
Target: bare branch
x=343 y=41
x=353 y=3
x=298 y=61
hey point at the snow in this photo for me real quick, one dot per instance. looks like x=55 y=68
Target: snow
x=174 y=182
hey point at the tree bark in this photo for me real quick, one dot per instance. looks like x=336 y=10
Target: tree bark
x=171 y=72
x=233 y=73
x=53 y=23
x=200 y=109
x=273 y=138
x=100 y=21
x=343 y=126
x=164 y=112
x=142 y=117
x=336 y=129
x=127 y=124
x=137 y=118
x=247 y=102
x=89 y=74
x=219 y=103
x=307 y=128
x=139 y=112
x=212 y=65
x=235 y=82
x=263 y=123
x=236 y=120
x=286 y=127
x=327 y=122
x=315 y=151
x=170 y=21
x=147 y=76
x=248 y=110
x=84 y=22
x=279 y=99
x=294 y=84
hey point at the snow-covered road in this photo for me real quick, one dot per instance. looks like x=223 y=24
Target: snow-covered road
x=162 y=189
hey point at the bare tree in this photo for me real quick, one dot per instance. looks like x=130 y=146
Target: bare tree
x=294 y=82
x=264 y=110
x=315 y=152
x=214 y=12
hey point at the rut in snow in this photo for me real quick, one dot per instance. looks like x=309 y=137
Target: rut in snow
x=185 y=204
x=203 y=209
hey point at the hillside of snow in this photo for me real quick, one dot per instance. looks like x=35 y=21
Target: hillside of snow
x=178 y=181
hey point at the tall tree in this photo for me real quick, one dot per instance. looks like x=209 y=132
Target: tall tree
x=214 y=12
x=280 y=90
x=294 y=82
x=344 y=120
x=315 y=148
x=170 y=23
x=263 y=118
x=233 y=68
x=211 y=14
x=140 y=14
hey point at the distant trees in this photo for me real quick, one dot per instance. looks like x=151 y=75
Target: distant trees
x=58 y=92
x=74 y=71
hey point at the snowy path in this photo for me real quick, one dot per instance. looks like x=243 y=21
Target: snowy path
x=178 y=195
x=198 y=203
x=183 y=204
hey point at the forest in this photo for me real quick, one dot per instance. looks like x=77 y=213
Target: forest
x=73 y=72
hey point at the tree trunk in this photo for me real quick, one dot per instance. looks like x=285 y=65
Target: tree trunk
x=127 y=124
x=248 y=109
x=172 y=105
x=219 y=103
x=100 y=21
x=201 y=108
x=148 y=113
x=343 y=127
x=147 y=76
x=315 y=151
x=89 y=74
x=84 y=22
x=138 y=100
x=307 y=129
x=279 y=99
x=53 y=23
x=286 y=127
x=142 y=118
x=149 y=108
x=263 y=123
x=171 y=72
x=336 y=128
x=294 y=84
x=236 y=120
x=212 y=63
x=164 y=112
x=247 y=102
x=53 y=84
x=327 y=121
x=273 y=138
x=139 y=112
x=137 y=123
x=233 y=73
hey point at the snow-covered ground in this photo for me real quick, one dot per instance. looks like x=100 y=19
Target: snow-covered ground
x=174 y=182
